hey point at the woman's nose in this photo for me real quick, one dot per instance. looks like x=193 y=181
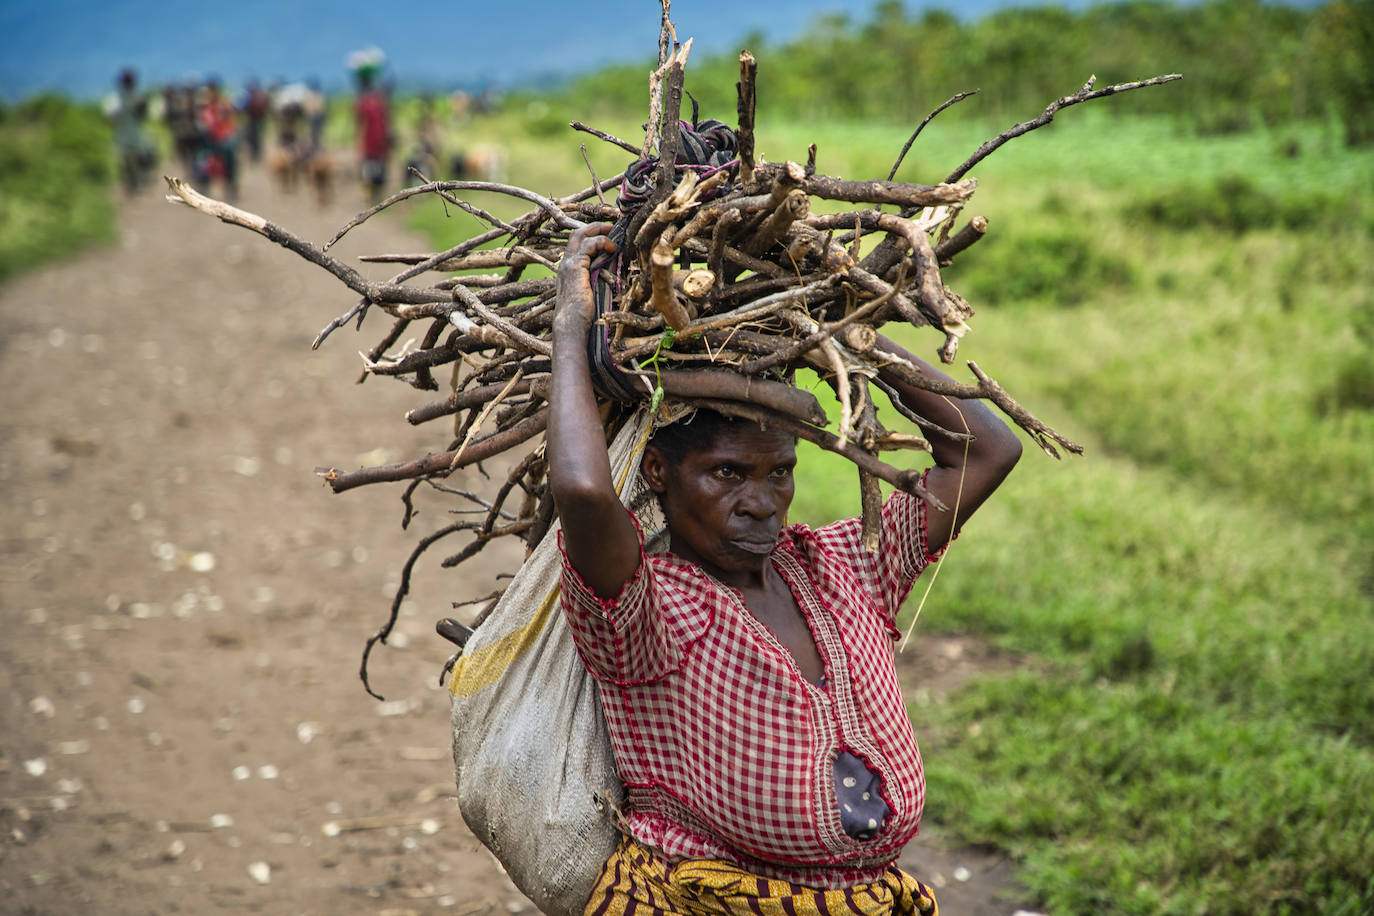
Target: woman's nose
x=757 y=501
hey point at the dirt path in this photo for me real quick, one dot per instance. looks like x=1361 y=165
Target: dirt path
x=182 y=728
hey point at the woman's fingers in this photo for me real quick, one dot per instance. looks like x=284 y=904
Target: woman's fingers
x=574 y=281
x=584 y=244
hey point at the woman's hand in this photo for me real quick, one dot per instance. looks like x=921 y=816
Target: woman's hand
x=576 y=308
x=601 y=541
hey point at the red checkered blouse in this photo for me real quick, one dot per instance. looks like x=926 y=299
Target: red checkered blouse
x=725 y=748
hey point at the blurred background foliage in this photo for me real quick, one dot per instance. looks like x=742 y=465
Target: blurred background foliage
x=1248 y=64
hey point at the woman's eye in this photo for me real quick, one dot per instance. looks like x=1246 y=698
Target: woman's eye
x=725 y=472
x=782 y=473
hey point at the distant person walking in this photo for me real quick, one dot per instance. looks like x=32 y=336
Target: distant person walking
x=316 y=109
x=256 y=106
x=127 y=109
x=372 y=117
x=179 y=114
x=219 y=134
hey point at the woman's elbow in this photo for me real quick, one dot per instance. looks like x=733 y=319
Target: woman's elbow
x=999 y=452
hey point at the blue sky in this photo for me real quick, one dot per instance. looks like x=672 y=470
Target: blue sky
x=77 y=46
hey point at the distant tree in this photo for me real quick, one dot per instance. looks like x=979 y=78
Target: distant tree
x=1338 y=52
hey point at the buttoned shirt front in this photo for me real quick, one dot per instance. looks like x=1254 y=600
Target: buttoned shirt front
x=725 y=749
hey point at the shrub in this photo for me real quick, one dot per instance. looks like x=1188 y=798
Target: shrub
x=1060 y=265
x=1233 y=203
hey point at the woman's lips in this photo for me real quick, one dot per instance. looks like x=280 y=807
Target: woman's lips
x=760 y=546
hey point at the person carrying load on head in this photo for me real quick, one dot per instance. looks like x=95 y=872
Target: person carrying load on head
x=127 y=109
x=747 y=672
x=219 y=130
x=372 y=118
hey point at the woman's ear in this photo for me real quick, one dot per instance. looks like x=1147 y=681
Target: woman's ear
x=654 y=469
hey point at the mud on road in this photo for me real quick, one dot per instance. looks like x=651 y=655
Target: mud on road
x=184 y=603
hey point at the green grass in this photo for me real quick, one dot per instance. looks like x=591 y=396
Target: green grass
x=1190 y=729
x=56 y=169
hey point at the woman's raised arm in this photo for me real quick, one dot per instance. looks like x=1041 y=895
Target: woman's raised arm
x=965 y=474
x=601 y=541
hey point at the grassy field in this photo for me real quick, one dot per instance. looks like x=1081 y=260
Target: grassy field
x=1188 y=730
x=56 y=168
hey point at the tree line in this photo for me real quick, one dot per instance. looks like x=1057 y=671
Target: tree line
x=1246 y=63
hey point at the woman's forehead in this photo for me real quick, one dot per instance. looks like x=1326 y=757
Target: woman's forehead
x=741 y=442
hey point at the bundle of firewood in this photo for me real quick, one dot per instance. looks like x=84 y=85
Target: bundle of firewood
x=724 y=283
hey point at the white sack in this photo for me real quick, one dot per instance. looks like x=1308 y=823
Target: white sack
x=530 y=748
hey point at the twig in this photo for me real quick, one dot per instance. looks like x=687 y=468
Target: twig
x=481 y=450
x=744 y=109
x=596 y=184
x=548 y=206
x=609 y=138
x=1084 y=94
x=973 y=230
x=401 y=591
x=463 y=205
x=789 y=353
x=957 y=97
x=481 y=418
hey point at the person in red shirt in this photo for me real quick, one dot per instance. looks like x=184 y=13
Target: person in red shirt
x=374 y=134
x=747 y=671
x=219 y=139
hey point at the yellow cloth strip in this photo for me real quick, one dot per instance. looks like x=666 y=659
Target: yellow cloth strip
x=636 y=882
x=483 y=667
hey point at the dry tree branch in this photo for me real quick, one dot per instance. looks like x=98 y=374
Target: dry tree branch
x=481 y=450
x=1087 y=93
x=466 y=207
x=744 y=110
x=781 y=288
x=554 y=211
x=609 y=138
x=957 y=97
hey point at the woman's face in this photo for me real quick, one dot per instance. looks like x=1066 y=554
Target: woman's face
x=726 y=501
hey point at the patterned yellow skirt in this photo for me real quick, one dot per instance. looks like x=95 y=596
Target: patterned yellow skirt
x=635 y=882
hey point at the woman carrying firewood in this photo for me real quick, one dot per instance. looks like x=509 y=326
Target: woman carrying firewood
x=747 y=672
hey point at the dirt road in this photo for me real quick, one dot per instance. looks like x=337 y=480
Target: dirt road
x=184 y=603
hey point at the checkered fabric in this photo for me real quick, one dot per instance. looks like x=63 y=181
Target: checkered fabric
x=726 y=750
x=636 y=882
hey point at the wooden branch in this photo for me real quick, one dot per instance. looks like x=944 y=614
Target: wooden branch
x=477 y=307
x=670 y=139
x=870 y=495
x=609 y=138
x=957 y=97
x=1085 y=94
x=973 y=230
x=723 y=383
x=462 y=400
x=989 y=390
x=899 y=193
x=441 y=463
x=787 y=354
x=794 y=206
x=466 y=207
x=662 y=298
x=375 y=292
x=554 y=211
x=907 y=481
x=401 y=591
x=515 y=256
x=715 y=259
x=744 y=109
